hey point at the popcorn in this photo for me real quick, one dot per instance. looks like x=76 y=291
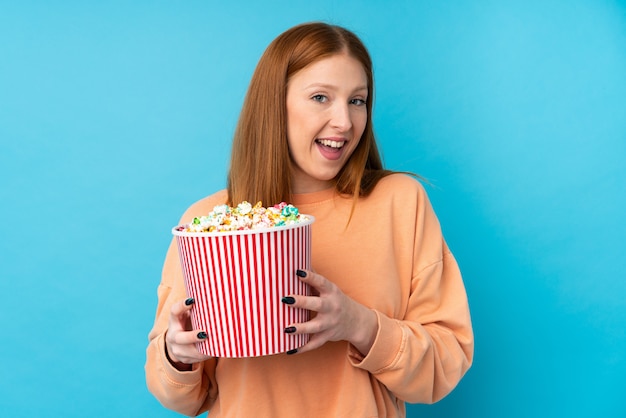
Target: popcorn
x=244 y=216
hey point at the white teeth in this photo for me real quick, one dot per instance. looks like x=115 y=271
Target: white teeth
x=331 y=143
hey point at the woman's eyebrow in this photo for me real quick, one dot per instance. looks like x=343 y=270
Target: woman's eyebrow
x=331 y=86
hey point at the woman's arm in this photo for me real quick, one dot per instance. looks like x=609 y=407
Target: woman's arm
x=422 y=357
x=189 y=392
x=423 y=351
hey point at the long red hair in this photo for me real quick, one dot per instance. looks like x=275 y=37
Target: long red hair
x=260 y=167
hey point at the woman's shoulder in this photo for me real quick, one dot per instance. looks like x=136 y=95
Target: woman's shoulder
x=400 y=183
x=400 y=192
x=204 y=205
x=405 y=197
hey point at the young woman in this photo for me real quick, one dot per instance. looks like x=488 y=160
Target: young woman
x=392 y=322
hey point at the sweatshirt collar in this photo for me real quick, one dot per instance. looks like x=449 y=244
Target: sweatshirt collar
x=315 y=197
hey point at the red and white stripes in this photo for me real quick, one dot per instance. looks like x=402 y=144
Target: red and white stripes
x=238 y=280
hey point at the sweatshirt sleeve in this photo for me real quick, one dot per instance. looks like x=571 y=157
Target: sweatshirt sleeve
x=192 y=392
x=422 y=356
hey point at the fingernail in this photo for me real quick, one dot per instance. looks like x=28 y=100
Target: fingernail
x=294 y=351
x=189 y=301
x=290 y=330
x=202 y=335
x=288 y=300
x=301 y=273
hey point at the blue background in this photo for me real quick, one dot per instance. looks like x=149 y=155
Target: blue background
x=115 y=116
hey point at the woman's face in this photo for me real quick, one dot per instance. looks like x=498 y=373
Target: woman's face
x=326 y=116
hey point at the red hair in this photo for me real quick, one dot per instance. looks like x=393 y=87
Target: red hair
x=260 y=167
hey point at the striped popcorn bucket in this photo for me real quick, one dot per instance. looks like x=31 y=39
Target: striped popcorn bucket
x=238 y=279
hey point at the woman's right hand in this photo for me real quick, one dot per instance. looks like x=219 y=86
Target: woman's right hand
x=181 y=338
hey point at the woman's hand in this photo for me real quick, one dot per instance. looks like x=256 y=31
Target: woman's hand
x=337 y=318
x=180 y=338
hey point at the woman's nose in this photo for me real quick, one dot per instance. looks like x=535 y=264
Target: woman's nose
x=341 y=118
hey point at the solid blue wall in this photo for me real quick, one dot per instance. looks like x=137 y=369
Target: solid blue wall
x=115 y=117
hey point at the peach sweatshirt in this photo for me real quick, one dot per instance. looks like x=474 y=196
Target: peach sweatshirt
x=392 y=258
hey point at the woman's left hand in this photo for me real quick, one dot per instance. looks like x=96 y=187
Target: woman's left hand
x=338 y=317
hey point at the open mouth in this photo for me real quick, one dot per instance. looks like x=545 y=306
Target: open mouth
x=330 y=149
x=329 y=143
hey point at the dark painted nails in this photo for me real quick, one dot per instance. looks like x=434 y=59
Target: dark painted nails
x=202 y=335
x=288 y=300
x=290 y=330
x=301 y=273
x=189 y=301
x=294 y=351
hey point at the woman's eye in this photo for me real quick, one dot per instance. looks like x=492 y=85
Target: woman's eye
x=358 y=102
x=320 y=98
